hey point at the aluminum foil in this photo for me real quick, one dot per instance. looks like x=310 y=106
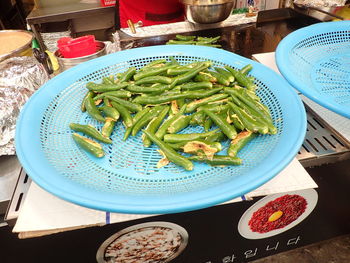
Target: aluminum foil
x=20 y=77
x=50 y=39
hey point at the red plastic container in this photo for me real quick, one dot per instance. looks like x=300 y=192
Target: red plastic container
x=108 y=2
x=77 y=47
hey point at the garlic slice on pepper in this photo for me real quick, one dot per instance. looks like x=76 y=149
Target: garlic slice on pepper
x=197 y=147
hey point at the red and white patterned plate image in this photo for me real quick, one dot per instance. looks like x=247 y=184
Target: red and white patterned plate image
x=144 y=243
x=277 y=213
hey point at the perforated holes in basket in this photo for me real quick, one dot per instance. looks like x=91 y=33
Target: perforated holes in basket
x=322 y=62
x=128 y=167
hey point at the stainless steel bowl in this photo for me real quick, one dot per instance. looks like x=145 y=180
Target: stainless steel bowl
x=66 y=63
x=208 y=11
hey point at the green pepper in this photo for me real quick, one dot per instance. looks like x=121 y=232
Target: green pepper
x=89 y=145
x=239 y=142
x=153 y=125
x=254 y=108
x=179 y=124
x=226 y=128
x=217 y=103
x=110 y=112
x=154 y=79
x=174 y=138
x=208 y=40
x=178 y=70
x=107 y=102
x=135 y=119
x=220 y=78
x=118 y=76
x=173 y=61
x=192 y=106
x=246 y=69
x=157 y=88
x=116 y=93
x=248 y=121
x=237 y=122
x=108 y=127
x=181 y=69
x=190 y=74
x=215 y=107
x=154 y=63
x=180 y=102
x=259 y=111
x=180 y=42
x=225 y=73
x=197 y=85
x=127 y=75
x=198 y=118
x=253 y=96
x=241 y=78
x=217 y=160
x=93 y=110
x=146 y=119
x=108 y=80
x=216 y=137
x=207 y=124
x=126 y=116
x=105 y=87
x=201 y=94
x=153 y=100
x=88 y=94
x=170 y=153
x=166 y=124
x=90 y=131
x=204 y=76
x=152 y=72
x=185 y=38
x=131 y=106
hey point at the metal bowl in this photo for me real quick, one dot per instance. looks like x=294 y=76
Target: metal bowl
x=208 y=11
x=66 y=63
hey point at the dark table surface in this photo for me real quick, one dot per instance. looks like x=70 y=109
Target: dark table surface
x=245 y=40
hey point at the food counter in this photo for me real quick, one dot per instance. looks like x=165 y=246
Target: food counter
x=219 y=233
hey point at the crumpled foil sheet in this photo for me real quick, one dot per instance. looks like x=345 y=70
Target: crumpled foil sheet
x=50 y=39
x=20 y=77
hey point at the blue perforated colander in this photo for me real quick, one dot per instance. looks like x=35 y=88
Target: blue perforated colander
x=316 y=61
x=127 y=178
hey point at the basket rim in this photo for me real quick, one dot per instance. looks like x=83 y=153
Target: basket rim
x=37 y=168
x=282 y=61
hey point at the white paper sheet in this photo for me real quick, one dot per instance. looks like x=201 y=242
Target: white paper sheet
x=43 y=213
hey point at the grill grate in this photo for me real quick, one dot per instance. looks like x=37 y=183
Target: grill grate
x=322 y=144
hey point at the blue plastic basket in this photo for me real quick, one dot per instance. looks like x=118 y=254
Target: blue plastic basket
x=316 y=61
x=127 y=179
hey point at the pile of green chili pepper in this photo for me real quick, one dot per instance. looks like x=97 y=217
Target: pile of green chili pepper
x=195 y=40
x=163 y=98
